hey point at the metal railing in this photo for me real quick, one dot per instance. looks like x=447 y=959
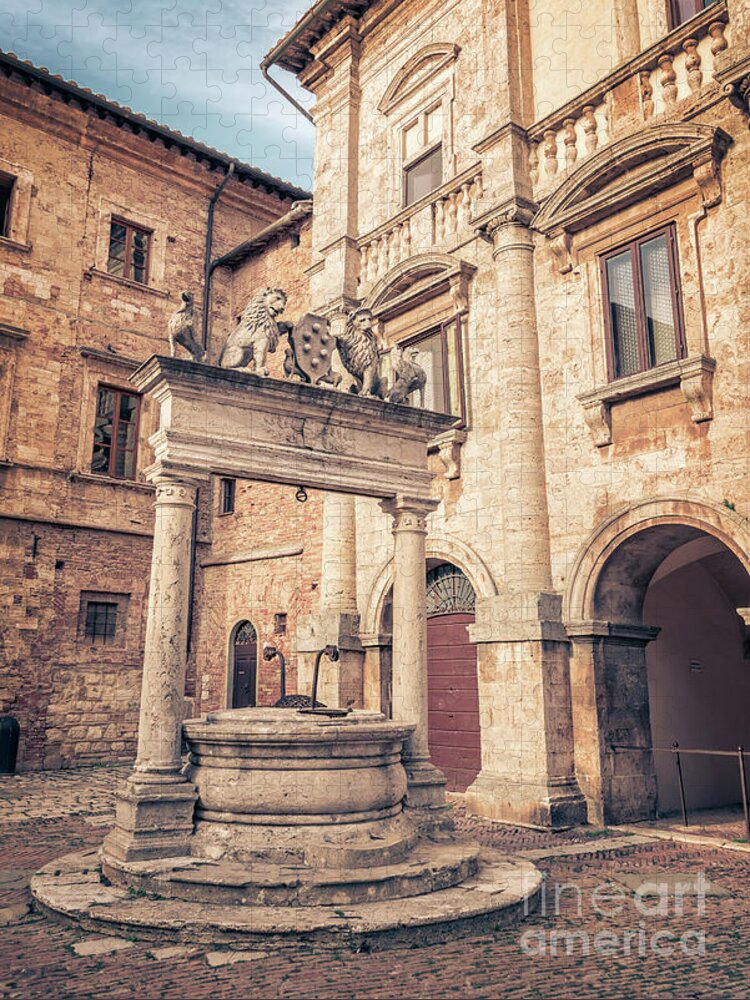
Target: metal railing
x=677 y=751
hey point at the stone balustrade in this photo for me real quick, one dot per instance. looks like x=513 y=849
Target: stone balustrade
x=679 y=67
x=434 y=220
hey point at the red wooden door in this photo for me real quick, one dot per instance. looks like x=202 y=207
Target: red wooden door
x=453 y=699
x=245 y=667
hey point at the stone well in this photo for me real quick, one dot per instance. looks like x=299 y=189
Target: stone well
x=300 y=834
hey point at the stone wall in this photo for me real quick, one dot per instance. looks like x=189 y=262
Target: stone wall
x=66 y=326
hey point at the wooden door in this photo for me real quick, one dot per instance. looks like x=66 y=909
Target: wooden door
x=245 y=670
x=453 y=699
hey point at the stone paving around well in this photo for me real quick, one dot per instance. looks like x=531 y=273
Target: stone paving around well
x=621 y=916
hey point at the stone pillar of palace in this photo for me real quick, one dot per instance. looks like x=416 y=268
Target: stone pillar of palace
x=617 y=776
x=527 y=771
x=154 y=807
x=426 y=783
x=336 y=621
x=627 y=30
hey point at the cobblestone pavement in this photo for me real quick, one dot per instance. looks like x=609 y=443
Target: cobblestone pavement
x=597 y=935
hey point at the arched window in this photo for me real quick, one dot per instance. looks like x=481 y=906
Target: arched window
x=448 y=591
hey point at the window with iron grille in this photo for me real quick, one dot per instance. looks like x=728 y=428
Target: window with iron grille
x=115 y=433
x=6 y=195
x=129 y=247
x=682 y=10
x=227 y=492
x=642 y=314
x=101 y=622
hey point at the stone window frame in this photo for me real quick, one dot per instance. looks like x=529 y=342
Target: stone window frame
x=115 y=449
x=110 y=211
x=633 y=245
x=104 y=368
x=227 y=497
x=12 y=339
x=412 y=95
x=693 y=371
x=131 y=228
x=121 y=602
x=19 y=208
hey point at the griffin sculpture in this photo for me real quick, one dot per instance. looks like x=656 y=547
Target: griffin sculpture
x=181 y=330
x=408 y=376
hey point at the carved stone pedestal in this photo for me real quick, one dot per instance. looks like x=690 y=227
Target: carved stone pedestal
x=153 y=819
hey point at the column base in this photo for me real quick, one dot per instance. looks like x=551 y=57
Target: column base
x=425 y=796
x=153 y=819
x=546 y=806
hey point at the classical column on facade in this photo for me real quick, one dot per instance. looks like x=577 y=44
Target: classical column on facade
x=611 y=719
x=336 y=621
x=524 y=688
x=426 y=783
x=154 y=807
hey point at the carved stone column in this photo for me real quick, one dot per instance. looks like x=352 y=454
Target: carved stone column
x=154 y=807
x=426 y=789
x=341 y=683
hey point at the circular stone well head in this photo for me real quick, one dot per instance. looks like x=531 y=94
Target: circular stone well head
x=277 y=785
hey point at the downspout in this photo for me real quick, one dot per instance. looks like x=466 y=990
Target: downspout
x=271 y=58
x=207 y=258
x=204 y=340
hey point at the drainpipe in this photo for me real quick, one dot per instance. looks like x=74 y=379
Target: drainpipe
x=207 y=259
x=318 y=10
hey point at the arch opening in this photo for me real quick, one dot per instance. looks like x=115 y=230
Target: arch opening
x=674 y=666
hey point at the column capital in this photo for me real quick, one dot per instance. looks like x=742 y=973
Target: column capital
x=175 y=491
x=506 y=226
x=631 y=634
x=409 y=513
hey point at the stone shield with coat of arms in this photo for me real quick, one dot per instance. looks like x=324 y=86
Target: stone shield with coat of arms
x=310 y=351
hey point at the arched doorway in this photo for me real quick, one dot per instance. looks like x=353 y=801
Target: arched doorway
x=244 y=655
x=453 y=693
x=656 y=611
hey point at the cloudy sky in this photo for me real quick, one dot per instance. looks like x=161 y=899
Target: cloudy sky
x=191 y=66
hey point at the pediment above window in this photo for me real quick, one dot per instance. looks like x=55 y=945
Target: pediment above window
x=632 y=169
x=422 y=67
x=418 y=279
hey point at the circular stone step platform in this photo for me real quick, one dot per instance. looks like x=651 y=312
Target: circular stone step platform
x=502 y=891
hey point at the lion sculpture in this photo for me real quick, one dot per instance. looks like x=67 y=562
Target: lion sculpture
x=181 y=330
x=360 y=354
x=257 y=332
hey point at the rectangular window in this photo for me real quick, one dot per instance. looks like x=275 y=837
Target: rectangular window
x=438 y=351
x=6 y=195
x=682 y=10
x=115 y=433
x=642 y=311
x=128 y=251
x=228 y=488
x=101 y=622
x=424 y=176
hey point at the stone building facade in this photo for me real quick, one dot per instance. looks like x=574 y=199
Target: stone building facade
x=548 y=204
x=549 y=207
x=81 y=306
